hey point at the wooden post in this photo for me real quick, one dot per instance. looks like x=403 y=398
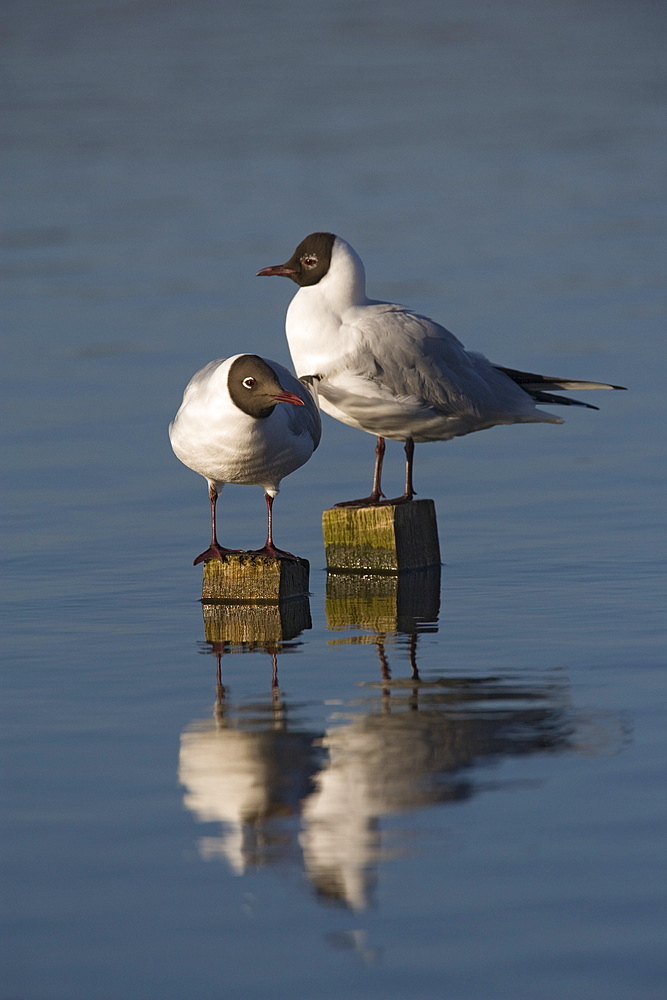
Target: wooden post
x=384 y=602
x=388 y=538
x=255 y=625
x=241 y=576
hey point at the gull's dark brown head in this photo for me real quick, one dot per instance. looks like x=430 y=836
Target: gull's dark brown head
x=254 y=387
x=309 y=263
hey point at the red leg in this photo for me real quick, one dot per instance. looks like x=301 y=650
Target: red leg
x=376 y=493
x=409 y=488
x=214 y=551
x=269 y=548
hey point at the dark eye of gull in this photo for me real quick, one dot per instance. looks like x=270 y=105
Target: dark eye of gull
x=309 y=261
x=248 y=382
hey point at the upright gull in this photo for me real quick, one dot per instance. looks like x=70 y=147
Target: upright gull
x=232 y=428
x=393 y=373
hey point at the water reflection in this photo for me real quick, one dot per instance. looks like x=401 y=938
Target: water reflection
x=384 y=605
x=414 y=745
x=255 y=626
x=246 y=769
x=249 y=764
x=406 y=603
x=315 y=796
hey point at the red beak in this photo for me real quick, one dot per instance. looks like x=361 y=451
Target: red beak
x=281 y=269
x=289 y=397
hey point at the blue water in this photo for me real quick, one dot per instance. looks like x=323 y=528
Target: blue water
x=459 y=795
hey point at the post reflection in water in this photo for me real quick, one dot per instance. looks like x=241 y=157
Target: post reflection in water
x=316 y=797
x=384 y=604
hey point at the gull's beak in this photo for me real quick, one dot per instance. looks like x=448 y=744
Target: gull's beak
x=288 y=397
x=280 y=269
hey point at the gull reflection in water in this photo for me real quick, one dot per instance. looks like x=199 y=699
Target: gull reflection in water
x=245 y=772
x=248 y=765
x=285 y=792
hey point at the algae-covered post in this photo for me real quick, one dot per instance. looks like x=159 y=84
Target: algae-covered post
x=387 y=538
x=244 y=576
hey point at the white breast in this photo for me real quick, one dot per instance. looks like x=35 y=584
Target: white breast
x=313 y=333
x=316 y=314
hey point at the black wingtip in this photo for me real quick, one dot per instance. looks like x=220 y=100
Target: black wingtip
x=552 y=399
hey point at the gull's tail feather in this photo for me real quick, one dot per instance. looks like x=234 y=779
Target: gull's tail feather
x=535 y=385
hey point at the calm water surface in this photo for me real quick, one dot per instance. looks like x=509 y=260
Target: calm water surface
x=455 y=789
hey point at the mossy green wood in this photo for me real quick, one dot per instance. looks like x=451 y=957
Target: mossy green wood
x=388 y=538
x=241 y=576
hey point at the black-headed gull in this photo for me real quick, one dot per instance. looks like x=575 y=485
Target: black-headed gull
x=231 y=428
x=393 y=373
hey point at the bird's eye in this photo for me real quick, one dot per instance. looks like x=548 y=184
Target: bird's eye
x=309 y=261
x=248 y=382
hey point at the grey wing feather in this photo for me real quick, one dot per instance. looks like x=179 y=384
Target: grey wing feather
x=425 y=361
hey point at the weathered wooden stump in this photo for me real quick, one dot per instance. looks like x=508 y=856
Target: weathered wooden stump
x=384 y=602
x=388 y=538
x=241 y=576
x=255 y=625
